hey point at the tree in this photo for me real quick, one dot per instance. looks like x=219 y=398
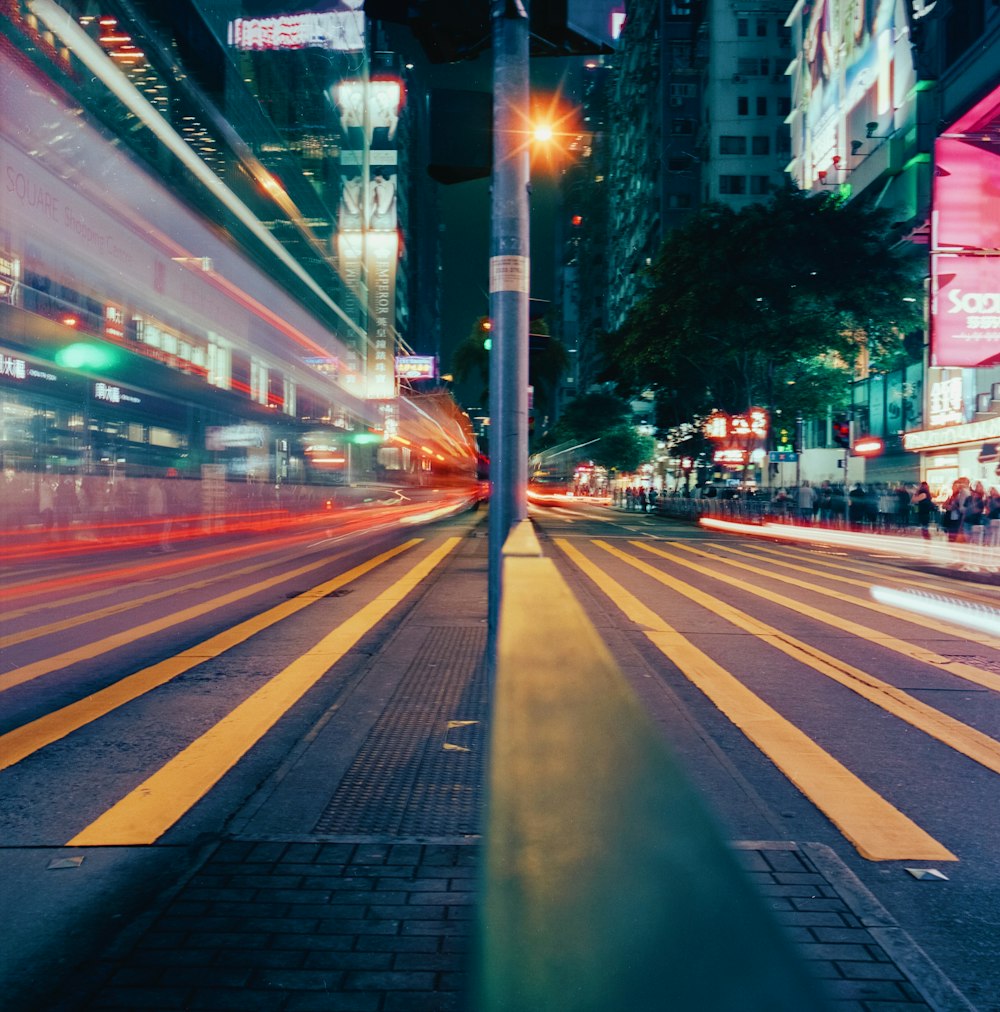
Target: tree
x=622 y=449
x=471 y=359
x=772 y=305
x=589 y=417
x=546 y=363
x=599 y=424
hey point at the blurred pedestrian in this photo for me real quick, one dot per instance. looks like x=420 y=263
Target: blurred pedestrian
x=902 y=515
x=924 y=503
x=807 y=502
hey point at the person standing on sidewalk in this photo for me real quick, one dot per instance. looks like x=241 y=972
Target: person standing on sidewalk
x=807 y=502
x=925 y=508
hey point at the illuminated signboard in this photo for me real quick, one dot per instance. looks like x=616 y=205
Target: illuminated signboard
x=945 y=405
x=965 y=310
x=717 y=426
x=226 y=437
x=111 y=394
x=852 y=77
x=416 y=366
x=965 y=264
x=14 y=368
x=114 y=323
x=10 y=269
x=733 y=457
x=868 y=447
x=752 y=425
x=340 y=30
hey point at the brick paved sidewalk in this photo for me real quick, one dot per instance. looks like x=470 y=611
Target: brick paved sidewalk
x=296 y=926
x=288 y=926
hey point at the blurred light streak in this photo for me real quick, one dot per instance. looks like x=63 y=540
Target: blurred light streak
x=97 y=62
x=936 y=551
x=972 y=616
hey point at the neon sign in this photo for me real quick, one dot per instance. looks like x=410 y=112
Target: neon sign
x=342 y=31
x=752 y=425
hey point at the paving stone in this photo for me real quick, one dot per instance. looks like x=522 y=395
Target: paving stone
x=333 y=960
x=389 y=980
x=870 y=971
x=831 y=950
x=418 y=1002
x=312 y=1002
x=298 y=980
x=134 y=998
x=241 y=999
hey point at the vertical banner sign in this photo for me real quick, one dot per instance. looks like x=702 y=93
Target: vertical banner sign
x=367 y=225
x=382 y=251
x=965 y=241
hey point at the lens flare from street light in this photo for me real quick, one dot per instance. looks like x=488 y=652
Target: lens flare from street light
x=543 y=133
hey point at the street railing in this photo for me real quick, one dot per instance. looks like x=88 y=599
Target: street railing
x=606 y=886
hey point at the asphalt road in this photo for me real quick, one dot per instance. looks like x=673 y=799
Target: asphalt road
x=798 y=626
x=803 y=709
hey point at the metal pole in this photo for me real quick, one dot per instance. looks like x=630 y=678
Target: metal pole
x=509 y=288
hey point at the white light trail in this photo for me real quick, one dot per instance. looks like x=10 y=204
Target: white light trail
x=973 y=616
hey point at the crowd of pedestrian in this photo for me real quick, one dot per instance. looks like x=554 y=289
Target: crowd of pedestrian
x=635 y=497
x=970 y=513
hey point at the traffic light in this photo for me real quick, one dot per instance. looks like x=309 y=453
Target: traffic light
x=842 y=433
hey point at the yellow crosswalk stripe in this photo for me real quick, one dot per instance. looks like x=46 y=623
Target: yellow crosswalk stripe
x=45 y=666
x=37 y=632
x=959 y=669
x=23 y=741
x=877 y=829
x=924 y=621
x=964 y=739
x=817 y=557
x=147 y=812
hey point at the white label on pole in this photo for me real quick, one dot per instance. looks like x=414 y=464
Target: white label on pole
x=509 y=274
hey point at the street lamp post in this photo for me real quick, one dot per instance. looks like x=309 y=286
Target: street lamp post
x=509 y=289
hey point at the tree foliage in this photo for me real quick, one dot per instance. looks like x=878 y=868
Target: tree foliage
x=471 y=361
x=769 y=305
x=598 y=423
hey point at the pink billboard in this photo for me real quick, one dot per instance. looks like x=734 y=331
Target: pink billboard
x=965 y=257
x=965 y=310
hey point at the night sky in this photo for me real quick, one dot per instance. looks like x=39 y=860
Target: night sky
x=465 y=211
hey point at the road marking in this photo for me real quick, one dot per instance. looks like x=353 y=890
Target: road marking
x=146 y=813
x=924 y=621
x=967 y=672
x=820 y=556
x=877 y=829
x=138 y=602
x=29 y=738
x=28 y=672
x=973 y=744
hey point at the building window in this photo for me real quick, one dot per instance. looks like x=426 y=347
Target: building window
x=751 y=66
x=732 y=145
x=761 y=145
x=762 y=105
x=784 y=105
x=760 y=185
x=742 y=105
x=742 y=27
x=732 y=184
x=682 y=126
x=679 y=200
x=679 y=164
x=761 y=27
